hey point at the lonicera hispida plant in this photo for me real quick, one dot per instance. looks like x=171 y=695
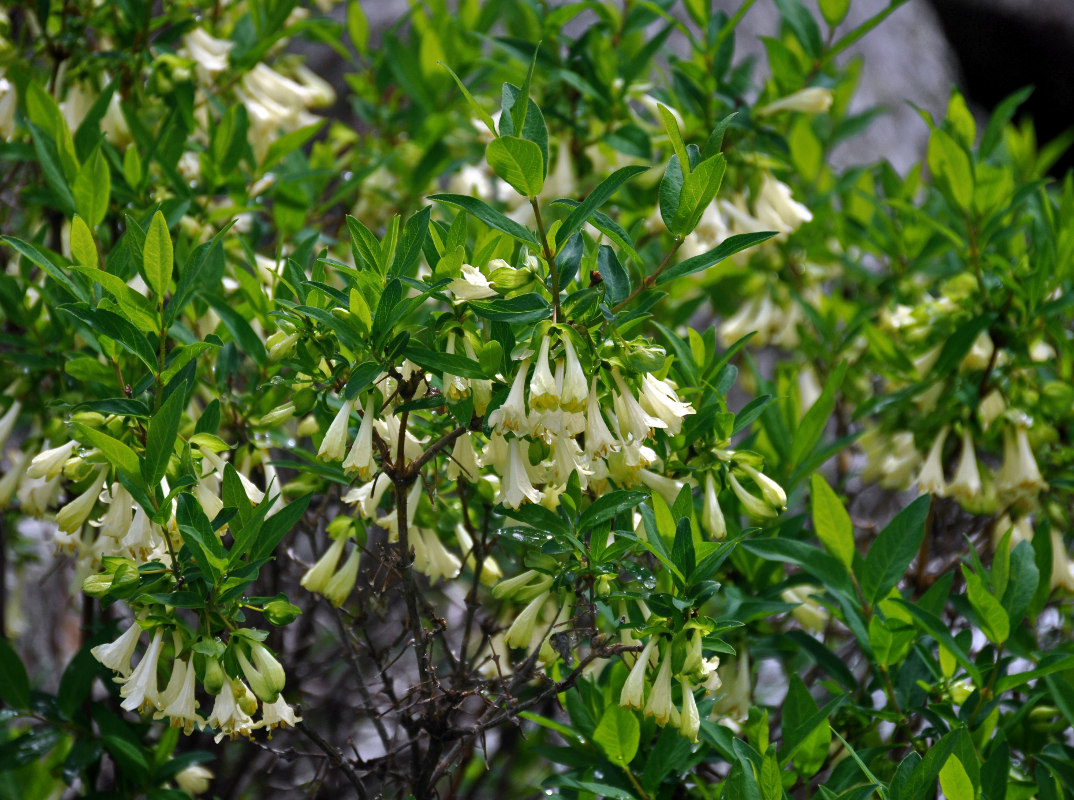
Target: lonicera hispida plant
x=415 y=436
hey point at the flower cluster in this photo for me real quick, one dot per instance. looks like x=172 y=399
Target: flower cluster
x=258 y=682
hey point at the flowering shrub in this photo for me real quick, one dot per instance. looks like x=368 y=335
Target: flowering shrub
x=372 y=448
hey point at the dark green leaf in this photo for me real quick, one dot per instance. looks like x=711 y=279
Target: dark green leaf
x=490 y=216
x=277 y=526
x=14 y=682
x=525 y=308
x=198 y=535
x=594 y=200
x=116 y=328
x=245 y=339
x=160 y=439
x=616 y=279
x=893 y=550
x=410 y=243
x=445 y=362
x=608 y=506
x=728 y=247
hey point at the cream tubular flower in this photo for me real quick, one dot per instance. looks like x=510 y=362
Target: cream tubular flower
x=516 y=487
x=712 y=515
x=966 y=485
x=659 y=399
x=481 y=389
x=599 y=441
x=209 y=54
x=771 y=491
x=511 y=416
x=543 y=393
x=48 y=463
x=776 y=206
x=634 y=423
x=689 y=719
x=9 y=104
x=573 y=395
x=931 y=480
x=813 y=100
x=194 y=779
x=182 y=710
x=277 y=714
x=339 y=588
x=360 y=458
x=7 y=422
x=117 y=655
x=659 y=704
x=317 y=576
x=71 y=517
x=228 y=716
x=334 y=444
x=810 y=614
x=633 y=694
x=455 y=387
x=668 y=488
x=755 y=506
x=463 y=461
x=521 y=631
x=139 y=690
x=473 y=285
x=1019 y=476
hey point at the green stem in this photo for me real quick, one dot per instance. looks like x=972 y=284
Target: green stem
x=648 y=281
x=549 y=258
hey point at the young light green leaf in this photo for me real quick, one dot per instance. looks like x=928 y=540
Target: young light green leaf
x=954 y=781
x=672 y=127
x=482 y=114
x=698 y=190
x=83 y=246
x=519 y=162
x=92 y=188
x=831 y=521
x=990 y=612
x=157 y=257
x=618 y=734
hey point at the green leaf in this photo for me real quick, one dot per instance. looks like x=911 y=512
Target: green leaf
x=670 y=191
x=616 y=279
x=277 y=526
x=92 y=188
x=954 y=781
x=408 y=252
x=445 y=362
x=125 y=334
x=727 y=248
x=618 y=734
x=831 y=521
x=490 y=216
x=83 y=246
x=698 y=190
x=118 y=454
x=49 y=159
x=160 y=439
x=482 y=114
x=672 y=127
x=157 y=258
x=816 y=418
x=534 y=128
x=938 y=630
x=594 y=200
x=952 y=167
x=826 y=569
x=366 y=246
x=135 y=306
x=77 y=682
x=289 y=143
x=608 y=506
x=27 y=748
x=609 y=227
x=1022 y=583
x=518 y=161
x=357 y=26
x=530 y=307
x=203 y=270
x=893 y=550
x=199 y=536
x=248 y=341
x=49 y=266
x=990 y=613
x=14 y=682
